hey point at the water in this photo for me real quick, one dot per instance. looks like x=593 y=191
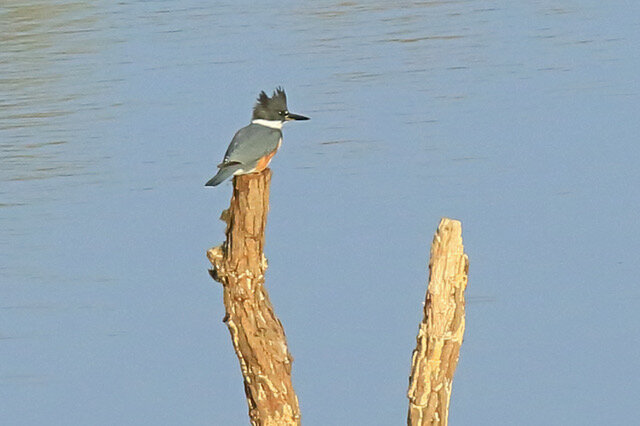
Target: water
x=519 y=120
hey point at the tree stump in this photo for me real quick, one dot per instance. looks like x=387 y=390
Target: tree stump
x=257 y=334
x=440 y=334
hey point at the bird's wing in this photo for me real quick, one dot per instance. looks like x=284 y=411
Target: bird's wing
x=251 y=143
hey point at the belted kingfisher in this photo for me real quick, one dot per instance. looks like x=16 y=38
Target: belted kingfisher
x=253 y=146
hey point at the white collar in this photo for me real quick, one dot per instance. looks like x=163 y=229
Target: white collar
x=274 y=124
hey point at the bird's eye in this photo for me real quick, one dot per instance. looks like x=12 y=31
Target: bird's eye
x=282 y=112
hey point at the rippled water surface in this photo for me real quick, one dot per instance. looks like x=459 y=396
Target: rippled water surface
x=520 y=119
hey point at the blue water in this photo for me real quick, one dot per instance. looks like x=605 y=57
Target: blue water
x=520 y=120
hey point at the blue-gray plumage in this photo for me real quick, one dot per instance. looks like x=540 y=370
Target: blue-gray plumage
x=253 y=141
x=253 y=146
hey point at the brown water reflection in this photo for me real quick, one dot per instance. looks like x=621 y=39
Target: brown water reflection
x=45 y=70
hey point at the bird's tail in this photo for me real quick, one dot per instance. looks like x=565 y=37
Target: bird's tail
x=223 y=173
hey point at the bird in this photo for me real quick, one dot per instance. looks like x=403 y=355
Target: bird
x=253 y=146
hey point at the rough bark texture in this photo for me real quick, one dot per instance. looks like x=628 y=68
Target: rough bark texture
x=258 y=338
x=440 y=335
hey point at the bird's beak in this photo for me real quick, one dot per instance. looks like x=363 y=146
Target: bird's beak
x=292 y=116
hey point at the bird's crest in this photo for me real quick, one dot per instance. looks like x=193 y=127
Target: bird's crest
x=268 y=107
